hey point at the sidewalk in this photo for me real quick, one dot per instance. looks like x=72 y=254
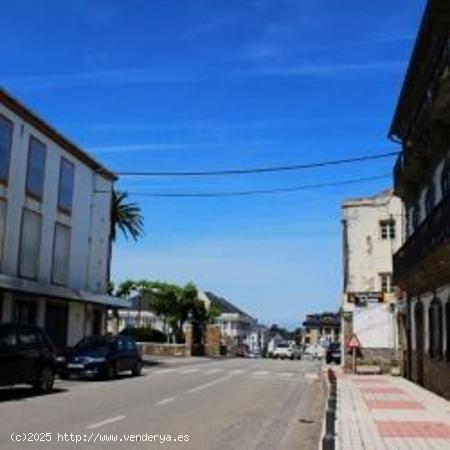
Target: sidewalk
x=385 y=412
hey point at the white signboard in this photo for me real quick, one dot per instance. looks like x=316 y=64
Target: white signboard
x=374 y=326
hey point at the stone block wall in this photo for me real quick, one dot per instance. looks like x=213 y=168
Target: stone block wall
x=213 y=341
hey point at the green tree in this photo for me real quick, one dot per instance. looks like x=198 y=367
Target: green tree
x=126 y=217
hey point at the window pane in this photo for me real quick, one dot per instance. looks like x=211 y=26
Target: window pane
x=36 y=168
x=6 y=128
x=2 y=226
x=30 y=241
x=61 y=255
x=65 y=193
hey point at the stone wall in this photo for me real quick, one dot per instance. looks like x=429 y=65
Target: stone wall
x=381 y=356
x=213 y=341
x=156 y=349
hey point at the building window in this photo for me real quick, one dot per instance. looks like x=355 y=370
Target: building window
x=25 y=312
x=61 y=255
x=387 y=229
x=36 y=168
x=6 y=130
x=435 y=328
x=30 y=243
x=430 y=199
x=386 y=282
x=445 y=179
x=65 y=189
x=2 y=227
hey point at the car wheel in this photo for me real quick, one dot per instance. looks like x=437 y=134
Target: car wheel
x=111 y=371
x=137 y=371
x=46 y=380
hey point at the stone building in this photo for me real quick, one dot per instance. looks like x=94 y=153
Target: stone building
x=422 y=179
x=373 y=229
x=321 y=328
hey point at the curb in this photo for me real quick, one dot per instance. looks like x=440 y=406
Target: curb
x=328 y=440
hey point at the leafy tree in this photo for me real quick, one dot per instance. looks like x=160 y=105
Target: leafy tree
x=126 y=217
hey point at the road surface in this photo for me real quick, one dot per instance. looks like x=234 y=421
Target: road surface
x=216 y=404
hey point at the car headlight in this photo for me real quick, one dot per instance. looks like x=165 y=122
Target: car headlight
x=60 y=359
x=92 y=359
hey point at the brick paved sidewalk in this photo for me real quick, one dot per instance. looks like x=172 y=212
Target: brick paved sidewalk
x=384 y=412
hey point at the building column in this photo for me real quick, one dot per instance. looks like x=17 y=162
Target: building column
x=7 y=313
x=40 y=318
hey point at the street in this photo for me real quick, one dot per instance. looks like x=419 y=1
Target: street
x=216 y=404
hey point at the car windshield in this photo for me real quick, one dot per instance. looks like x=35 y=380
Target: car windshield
x=334 y=346
x=283 y=346
x=94 y=344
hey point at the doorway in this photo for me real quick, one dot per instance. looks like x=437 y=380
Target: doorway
x=56 y=321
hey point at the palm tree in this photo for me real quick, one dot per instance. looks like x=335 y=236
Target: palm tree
x=126 y=217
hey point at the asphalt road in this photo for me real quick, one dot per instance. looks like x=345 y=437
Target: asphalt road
x=218 y=404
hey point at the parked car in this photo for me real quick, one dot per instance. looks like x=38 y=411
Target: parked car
x=285 y=351
x=101 y=357
x=315 y=351
x=27 y=356
x=334 y=353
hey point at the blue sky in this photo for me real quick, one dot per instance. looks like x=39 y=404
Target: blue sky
x=172 y=84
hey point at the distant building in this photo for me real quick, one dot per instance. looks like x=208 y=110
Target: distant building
x=236 y=326
x=55 y=229
x=373 y=230
x=422 y=179
x=321 y=328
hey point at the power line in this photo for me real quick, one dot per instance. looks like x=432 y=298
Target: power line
x=259 y=191
x=258 y=170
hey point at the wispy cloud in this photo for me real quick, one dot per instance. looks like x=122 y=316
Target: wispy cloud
x=146 y=76
x=139 y=147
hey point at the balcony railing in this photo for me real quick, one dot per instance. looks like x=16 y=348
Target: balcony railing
x=430 y=237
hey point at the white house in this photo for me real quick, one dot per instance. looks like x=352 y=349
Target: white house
x=373 y=230
x=55 y=205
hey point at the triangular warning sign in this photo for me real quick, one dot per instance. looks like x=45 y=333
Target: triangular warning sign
x=354 y=342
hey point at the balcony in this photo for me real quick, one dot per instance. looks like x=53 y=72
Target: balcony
x=423 y=263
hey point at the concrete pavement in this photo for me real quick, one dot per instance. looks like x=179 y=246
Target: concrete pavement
x=218 y=404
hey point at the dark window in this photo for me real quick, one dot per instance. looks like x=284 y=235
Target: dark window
x=435 y=328
x=30 y=242
x=430 y=199
x=65 y=191
x=387 y=229
x=6 y=129
x=445 y=179
x=25 y=312
x=36 y=168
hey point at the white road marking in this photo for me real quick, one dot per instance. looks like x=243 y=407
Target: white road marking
x=211 y=383
x=191 y=371
x=211 y=371
x=286 y=374
x=237 y=371
x=311 y=376
x=261 y=373
x=161 y=371
x=105 y=422
x=166 y=400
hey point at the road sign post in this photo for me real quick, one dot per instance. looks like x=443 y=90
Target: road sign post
x=354 y=344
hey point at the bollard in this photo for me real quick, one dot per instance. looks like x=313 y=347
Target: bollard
x=330 y=417
x=328 y=442
x=332 y=403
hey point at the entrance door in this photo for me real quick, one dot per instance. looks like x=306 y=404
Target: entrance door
x=419 y=325
x=97 y=328
x=56 y=319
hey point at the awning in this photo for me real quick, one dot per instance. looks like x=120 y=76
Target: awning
x=47 y=290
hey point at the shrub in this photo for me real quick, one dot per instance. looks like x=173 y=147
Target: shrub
x=145 y=334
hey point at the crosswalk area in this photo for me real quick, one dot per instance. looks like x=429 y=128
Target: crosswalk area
x=253 y=374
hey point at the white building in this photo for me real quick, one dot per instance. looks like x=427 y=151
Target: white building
x=373 y=230
x=55 y=204
x=235 y=325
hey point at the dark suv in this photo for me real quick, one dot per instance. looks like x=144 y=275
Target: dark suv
x=27 y=356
